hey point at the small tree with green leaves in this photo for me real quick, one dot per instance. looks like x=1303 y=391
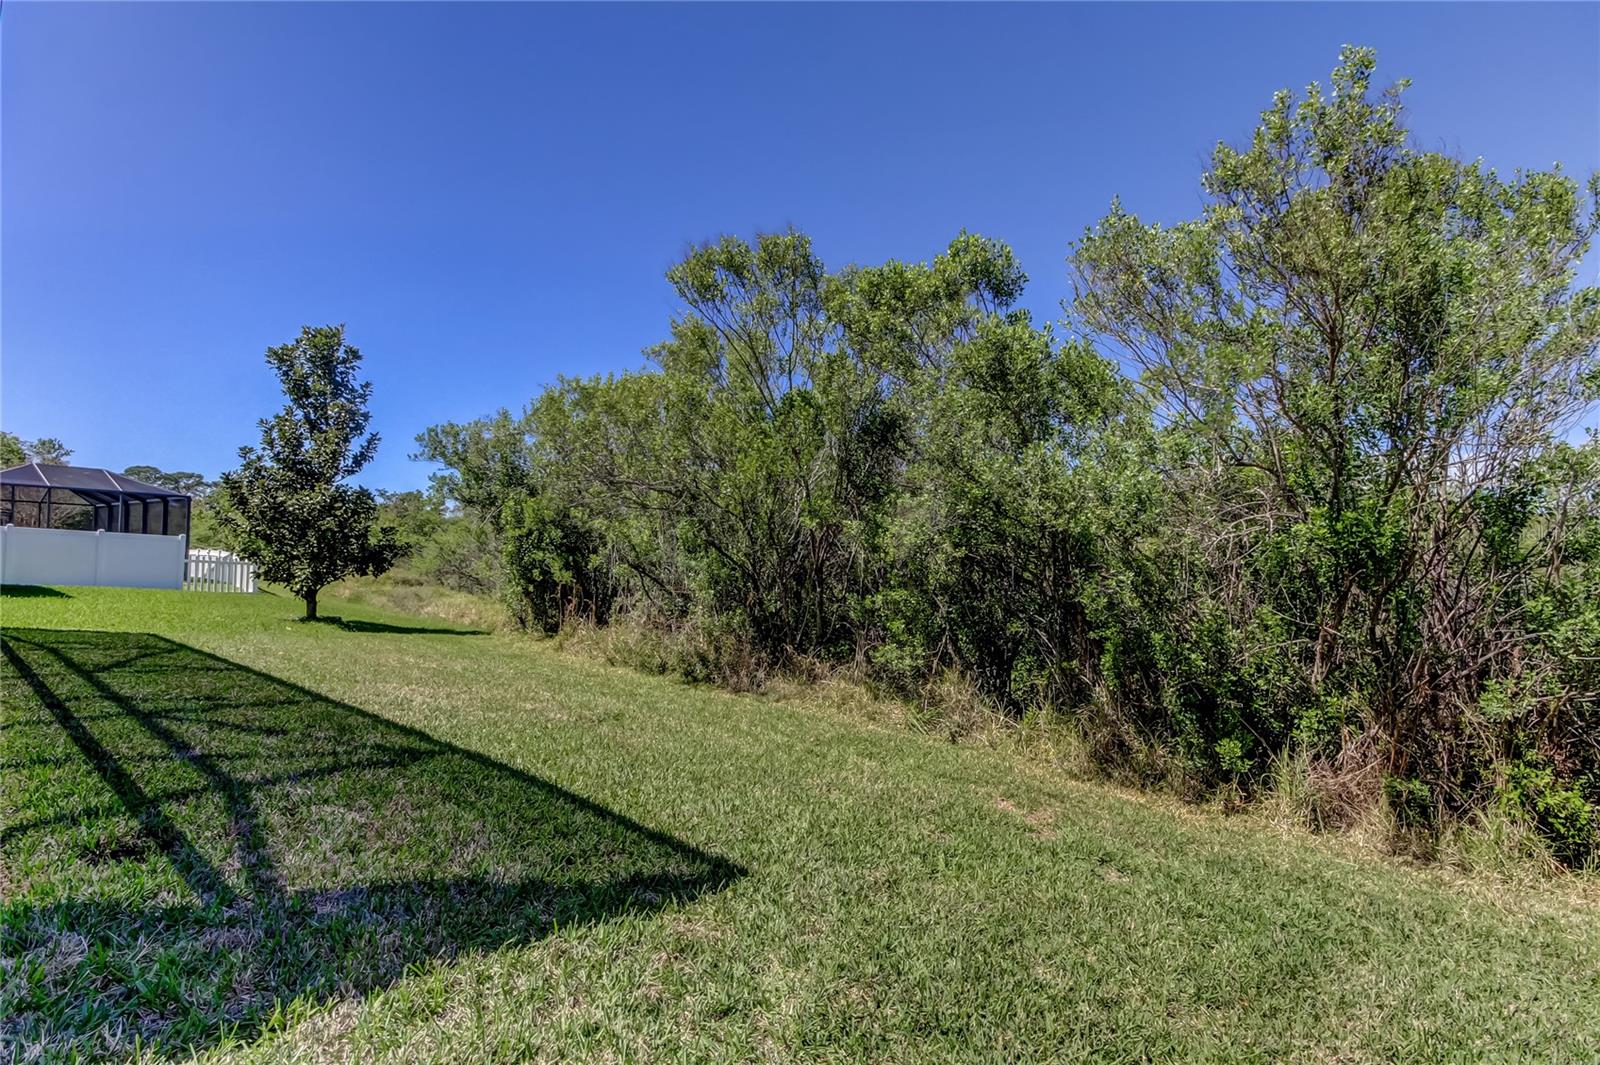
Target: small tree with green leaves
x=287 y=507
x=49 y=450
x=12 y=451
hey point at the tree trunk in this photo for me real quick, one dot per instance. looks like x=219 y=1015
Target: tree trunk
x=311 y=605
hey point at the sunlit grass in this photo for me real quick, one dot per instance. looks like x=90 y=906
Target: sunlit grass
x=389 y=839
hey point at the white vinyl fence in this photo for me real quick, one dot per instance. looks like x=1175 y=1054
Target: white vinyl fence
x=78 y=557
x=208 y=569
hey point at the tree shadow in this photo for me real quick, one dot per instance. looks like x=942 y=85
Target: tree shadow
x=192 y=845
x=357 y=625
x=31 y=591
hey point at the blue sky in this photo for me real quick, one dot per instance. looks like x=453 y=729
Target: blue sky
x=489 y=195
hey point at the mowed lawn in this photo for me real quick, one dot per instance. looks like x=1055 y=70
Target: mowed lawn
x=232 y=834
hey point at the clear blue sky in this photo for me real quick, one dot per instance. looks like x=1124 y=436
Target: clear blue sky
x=488 y=195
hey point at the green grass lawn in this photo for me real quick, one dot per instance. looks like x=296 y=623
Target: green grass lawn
x=230 y=833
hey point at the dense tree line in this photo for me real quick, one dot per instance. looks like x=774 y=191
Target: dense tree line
x=14 y=451
x=1304 y=474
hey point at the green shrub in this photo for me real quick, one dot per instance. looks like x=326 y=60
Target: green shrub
x=1558 y=810
x=1411 y=803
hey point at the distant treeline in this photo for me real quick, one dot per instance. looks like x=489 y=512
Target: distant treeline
x=1303 y=478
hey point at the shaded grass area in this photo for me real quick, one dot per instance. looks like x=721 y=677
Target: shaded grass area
x=190 y=845
x=30 y=591
x=902 y=899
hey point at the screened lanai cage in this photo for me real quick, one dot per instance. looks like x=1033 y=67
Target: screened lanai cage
x=42 y=496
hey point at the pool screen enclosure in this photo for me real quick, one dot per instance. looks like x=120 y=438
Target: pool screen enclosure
x=43 y=496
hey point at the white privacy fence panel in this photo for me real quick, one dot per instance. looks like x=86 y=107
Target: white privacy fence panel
x=78 y=557
x=210 y=570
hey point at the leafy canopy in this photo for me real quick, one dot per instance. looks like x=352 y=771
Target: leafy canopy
x=286 y=507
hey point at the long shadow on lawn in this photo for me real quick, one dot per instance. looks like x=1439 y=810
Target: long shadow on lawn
x=31 y=591
x=192 y=845
x=357 y=625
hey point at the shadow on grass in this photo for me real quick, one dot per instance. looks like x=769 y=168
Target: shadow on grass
x=31 y=591
x=356 y=625
x=192 y=845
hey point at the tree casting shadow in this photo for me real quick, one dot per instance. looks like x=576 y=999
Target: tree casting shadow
x=195 y=844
